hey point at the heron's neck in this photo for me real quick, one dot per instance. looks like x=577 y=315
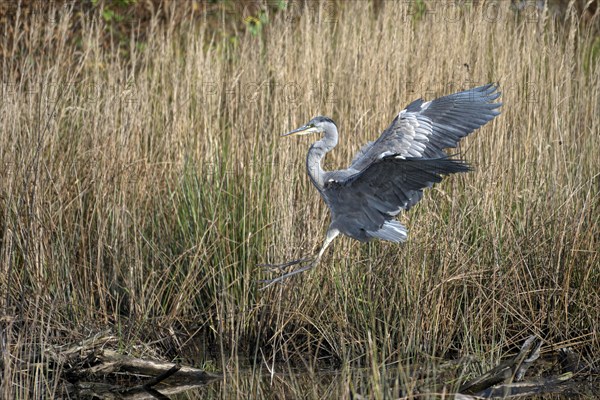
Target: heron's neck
x=316 y=153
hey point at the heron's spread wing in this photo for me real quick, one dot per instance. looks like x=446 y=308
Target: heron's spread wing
x=424 y=129
x=364 y=204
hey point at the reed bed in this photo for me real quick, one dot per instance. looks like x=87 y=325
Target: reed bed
x=143 y=181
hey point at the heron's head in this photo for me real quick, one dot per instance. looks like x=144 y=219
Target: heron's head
x=318 y=124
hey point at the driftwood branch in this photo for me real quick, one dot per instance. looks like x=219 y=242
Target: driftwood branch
x=537 y=386
x=506 y=380
x=91 y=359
x=169 y=372
x=507 y=372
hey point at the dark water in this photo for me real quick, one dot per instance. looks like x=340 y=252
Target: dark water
x=347 y=384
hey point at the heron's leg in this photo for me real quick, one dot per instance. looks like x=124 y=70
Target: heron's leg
x=331 y=235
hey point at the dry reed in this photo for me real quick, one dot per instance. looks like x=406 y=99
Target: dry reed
x=139 y=190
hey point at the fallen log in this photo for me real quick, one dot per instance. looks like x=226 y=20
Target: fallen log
x=113 y=362
x=91 y=360
x=507 y=379
x=529 y=388
x=507 y=371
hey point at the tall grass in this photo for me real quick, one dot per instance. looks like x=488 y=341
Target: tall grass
x=140 y=190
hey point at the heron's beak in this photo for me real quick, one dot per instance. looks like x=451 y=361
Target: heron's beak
x=303 y=130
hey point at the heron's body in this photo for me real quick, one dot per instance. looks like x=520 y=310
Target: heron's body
x=389 y=174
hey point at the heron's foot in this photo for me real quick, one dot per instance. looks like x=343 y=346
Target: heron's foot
x=269 y=282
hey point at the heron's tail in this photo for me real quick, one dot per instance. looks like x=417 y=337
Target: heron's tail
x=392 y=231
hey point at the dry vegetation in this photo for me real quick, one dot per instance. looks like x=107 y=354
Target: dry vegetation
x=140 y=189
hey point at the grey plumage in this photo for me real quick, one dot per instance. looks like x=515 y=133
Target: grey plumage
x=389 y=175
x=364 y=204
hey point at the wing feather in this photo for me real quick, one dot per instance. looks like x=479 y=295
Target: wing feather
x=425 y=129
x=364 y=204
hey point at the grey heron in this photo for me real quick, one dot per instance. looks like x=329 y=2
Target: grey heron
x=388 y=175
